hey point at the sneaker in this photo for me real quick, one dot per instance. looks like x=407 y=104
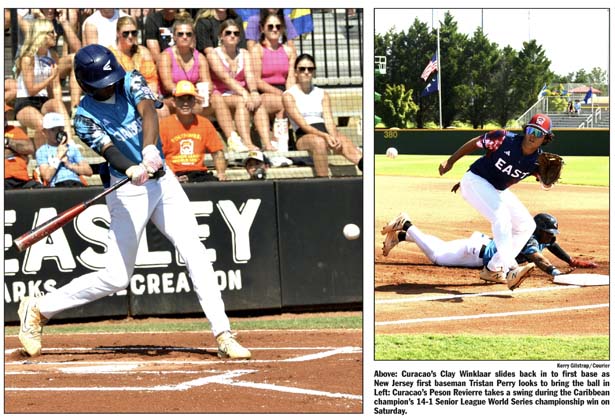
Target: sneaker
x=31 y=325
x=228 y=347
x=390 y=241
x=395 y=224
x=515 y=277
x=235 y=144
x=492 y=276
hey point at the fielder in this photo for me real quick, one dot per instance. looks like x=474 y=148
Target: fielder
x=478 y=249
x=117 y=118
x=509 y=159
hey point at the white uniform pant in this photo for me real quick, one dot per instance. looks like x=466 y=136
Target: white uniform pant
x=511 y=223
x=462 y=252
x=166 y=204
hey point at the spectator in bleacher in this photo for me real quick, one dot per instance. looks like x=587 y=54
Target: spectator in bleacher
x=133 y=56
x=187 y=137
x=60 y=163
x=570 y=109
x=38 y=83
x=256 y=164
x=273 y=67
x=207 y=26
x=309 y=109
x=183 y=62
x=17 y=149
x=159 y=32
x=577 y=107
x=100 y=27
x=254 y=29
x=235 y=93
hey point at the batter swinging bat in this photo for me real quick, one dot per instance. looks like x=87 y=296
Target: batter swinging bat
x=28 y=239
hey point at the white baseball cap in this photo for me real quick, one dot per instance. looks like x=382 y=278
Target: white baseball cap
x=52 y=120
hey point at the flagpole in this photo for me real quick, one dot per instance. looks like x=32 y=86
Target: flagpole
x=439 y=75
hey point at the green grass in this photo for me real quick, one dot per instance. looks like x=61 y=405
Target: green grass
x=577 y=170
x=467 y=347
x=152 y=326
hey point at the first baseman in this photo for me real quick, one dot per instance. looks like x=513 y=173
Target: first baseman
x=509 y=159
x=478 y=249
x=117 y=118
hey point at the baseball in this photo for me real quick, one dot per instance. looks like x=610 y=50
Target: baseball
x=391 y=152
x=352 y=231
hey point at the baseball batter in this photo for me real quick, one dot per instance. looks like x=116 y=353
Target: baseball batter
x=478 y=249
x=117 y=118
x=509 y=159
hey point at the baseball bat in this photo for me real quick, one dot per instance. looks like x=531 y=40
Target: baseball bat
x=29 y=238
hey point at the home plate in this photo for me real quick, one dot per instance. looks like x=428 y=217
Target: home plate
x=584 y=280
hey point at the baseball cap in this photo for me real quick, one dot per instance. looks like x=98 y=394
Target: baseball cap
x=52 y=120
x=542 y=122
x=256 y=155
x=184 y=87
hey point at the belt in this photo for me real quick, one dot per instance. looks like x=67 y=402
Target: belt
x=482 y=251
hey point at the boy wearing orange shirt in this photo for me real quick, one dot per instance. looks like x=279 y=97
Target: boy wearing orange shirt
x=187 y=137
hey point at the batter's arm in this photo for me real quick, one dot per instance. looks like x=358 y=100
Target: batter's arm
x=465 y=149
x=542 y=262
x=151 y=131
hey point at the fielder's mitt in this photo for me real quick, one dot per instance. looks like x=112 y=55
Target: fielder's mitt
x=549 y=168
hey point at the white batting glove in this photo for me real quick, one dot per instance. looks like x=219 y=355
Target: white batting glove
x=151 y=158
x=138 y=174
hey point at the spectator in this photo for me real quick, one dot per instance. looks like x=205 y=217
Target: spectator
x=256 y=164
x=60 y=163
x=17 y=148
x=254 y=30
x=273 y=67
x=182 y=62
x=309 y=109
x=235 y=88
x=38 y=85
x=207 y=28
x=570 y=109
x=577 y=107
x=100 y=27
x=158 y=33
x=65 y=30
x=187 y=136
x=133 y=56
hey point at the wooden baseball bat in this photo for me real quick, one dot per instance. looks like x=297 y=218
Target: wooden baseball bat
x=28 y=239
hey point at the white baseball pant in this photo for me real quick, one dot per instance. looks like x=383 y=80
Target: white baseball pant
x=461 y=252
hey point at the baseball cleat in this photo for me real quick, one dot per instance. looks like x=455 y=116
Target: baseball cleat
x=492 y=276
x=515 y=277
x=228 y=347
x=395 y=224
x=31 y=325
x=390 y=241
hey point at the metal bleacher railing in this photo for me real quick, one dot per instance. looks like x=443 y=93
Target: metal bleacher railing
x=337 y=46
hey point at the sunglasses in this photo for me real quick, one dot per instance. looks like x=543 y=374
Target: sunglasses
x=271 y=26
x=229 y=33
x=304 y=69
x=535 y=132
x=187 y=34
x=133 y=33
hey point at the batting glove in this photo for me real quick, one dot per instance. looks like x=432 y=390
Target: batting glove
x=151 y=158
x=138 y=174
x=577 y=263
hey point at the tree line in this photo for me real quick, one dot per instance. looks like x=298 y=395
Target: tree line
x=481 y=82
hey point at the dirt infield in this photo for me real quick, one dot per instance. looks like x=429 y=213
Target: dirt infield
x=414 y=296
x=311 y=371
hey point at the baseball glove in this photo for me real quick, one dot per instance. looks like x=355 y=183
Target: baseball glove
x=549 y=168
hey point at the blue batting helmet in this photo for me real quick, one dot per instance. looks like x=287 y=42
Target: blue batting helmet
x=546 y=222
x=96 y=68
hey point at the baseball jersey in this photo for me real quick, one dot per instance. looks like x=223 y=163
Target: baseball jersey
x=504 y=164
x=46 y=153
x=15 y=165
x=532 y=246
x=184 y=147
x=116 y=120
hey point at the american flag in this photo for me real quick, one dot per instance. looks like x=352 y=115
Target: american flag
x=431 y=67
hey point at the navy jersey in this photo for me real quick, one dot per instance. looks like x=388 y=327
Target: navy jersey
x=504 y=164
x=532 y=246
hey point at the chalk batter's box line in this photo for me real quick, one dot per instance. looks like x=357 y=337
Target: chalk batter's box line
x=226 y=378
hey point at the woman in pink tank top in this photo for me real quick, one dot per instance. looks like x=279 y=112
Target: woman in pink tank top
x=273 y=66
x=235 y=93
x=182 y=61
